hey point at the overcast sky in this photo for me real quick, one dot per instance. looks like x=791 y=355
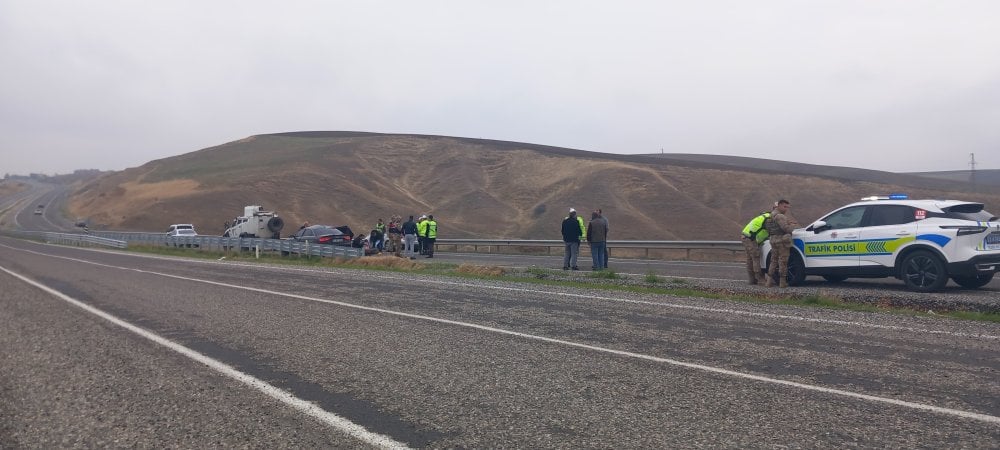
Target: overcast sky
x=903 y=85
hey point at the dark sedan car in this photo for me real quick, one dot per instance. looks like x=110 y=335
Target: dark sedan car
x=323 y=234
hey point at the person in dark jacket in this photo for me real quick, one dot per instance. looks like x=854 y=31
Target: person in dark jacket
x=571 y=237
x=597 y=236
x=410 y=237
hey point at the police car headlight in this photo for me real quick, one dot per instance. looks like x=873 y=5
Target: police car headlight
x=964 y=230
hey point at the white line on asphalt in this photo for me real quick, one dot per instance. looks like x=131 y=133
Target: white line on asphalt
x=718 y=370
x=333 y=420
x=706 y=309
x=551 y=292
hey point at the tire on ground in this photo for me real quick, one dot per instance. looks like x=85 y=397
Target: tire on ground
x=973 y=282
x=923 y=271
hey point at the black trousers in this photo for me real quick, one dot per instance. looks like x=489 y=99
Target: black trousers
x=430 y=246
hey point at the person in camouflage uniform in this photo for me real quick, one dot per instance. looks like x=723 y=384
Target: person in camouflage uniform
x=779 y=229
x=395 y=230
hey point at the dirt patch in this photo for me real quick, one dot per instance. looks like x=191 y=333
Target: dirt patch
x=392 y=262
x=11 y=187
x=490 y=271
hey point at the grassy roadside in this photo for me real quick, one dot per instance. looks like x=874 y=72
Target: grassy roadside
x=604 y=280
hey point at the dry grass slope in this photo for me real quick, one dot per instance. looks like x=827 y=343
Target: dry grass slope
x=475 y=188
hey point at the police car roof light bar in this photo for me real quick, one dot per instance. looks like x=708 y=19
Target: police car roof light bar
x=886 y=197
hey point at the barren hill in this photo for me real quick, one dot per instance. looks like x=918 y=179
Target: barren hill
x=474 y=187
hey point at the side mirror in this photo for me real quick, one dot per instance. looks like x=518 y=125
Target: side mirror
x=818 y=226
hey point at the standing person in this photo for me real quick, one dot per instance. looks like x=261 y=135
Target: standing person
x=753 y=236
x=431 y=235
x=395 y=235
x=409 y=237
x=422 y=234
x=380 y=226
x=606 y=252
x=779 y=228
x=571 y=238
x=597 y=236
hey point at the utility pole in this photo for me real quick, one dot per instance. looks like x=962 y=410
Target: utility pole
x=972 y=169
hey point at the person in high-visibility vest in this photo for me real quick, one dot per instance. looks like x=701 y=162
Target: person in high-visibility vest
x=753 y=236
x=431 y=232
x=422 y=234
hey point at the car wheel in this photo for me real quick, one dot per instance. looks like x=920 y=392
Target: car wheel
x=923 y=271
x=796 y=270
x=974 y=282
x=834 y=278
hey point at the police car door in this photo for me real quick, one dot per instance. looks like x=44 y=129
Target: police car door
x=835 y=243
x=888 y=228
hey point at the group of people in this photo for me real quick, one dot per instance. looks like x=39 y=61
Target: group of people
x=400 y=238
x=775 y=226
x=595 y=233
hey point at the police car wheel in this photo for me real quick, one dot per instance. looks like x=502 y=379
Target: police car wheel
x=923 y=272
x=834 y=278
x=796 y=270
x=973 y=282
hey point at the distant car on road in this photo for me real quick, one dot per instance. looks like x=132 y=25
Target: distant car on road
x=182 y=230
x=38 y=212
x=324 y=234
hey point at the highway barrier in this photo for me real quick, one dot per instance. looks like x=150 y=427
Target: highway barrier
x=121 y=239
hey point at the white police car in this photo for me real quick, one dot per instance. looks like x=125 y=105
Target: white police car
x=922 y=242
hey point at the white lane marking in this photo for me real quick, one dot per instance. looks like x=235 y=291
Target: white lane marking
x=538 y=291
x=718 y=370
x=333 y=420
x=707 y=309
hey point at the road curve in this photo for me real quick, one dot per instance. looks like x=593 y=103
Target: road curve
x=432 y=361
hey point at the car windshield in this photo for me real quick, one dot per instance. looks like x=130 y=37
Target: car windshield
x=186 y=231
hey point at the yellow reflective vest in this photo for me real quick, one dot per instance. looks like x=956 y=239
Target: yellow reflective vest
x=755 y=229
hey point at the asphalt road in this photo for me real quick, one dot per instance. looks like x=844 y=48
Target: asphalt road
x=109 y=349
x=18 y=211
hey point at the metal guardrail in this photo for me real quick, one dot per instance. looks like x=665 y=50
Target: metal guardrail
x=75 y=239
x=733 y=246
x=283 y=246
x=286 y=247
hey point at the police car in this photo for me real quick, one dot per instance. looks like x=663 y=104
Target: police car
x=922 y=242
